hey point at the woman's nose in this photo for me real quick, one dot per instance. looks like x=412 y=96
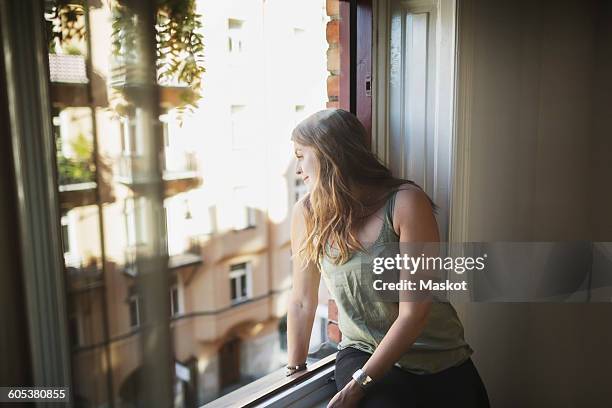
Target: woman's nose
x=298 y=169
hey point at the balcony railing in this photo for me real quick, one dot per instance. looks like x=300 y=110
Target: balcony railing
x=190 y=257
x=67 y=69
x=77 y=183
x=179 y=164
x=129 y=169
x=179 y=172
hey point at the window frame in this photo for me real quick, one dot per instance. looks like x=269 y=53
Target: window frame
x=236 y=273
x=30 y=110
x=301 y=390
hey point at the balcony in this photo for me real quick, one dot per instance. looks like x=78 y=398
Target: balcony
x=69 y=83
x=131 y=81
x=77 y=195
x=77 y=183
x=84 y=277
x=67 y=69
x=179 y=172
x=191 y=255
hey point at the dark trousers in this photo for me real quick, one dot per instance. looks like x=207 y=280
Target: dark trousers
x=454 y=387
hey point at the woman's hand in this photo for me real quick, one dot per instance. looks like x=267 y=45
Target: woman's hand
x=348 y=397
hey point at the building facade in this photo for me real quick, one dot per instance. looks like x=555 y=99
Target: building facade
x=229 y=185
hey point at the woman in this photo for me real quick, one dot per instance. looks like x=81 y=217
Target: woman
x=402 y=354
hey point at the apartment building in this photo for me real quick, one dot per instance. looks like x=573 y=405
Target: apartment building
x=229 y=185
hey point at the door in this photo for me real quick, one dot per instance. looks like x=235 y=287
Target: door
x=229 y=359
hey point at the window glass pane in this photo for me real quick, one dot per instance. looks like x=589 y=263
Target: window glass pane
x=243 y=286
x=205 y=216
x=234 y=288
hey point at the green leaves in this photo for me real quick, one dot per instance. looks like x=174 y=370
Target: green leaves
x=77 y=169
x=65 y=23
x=180 y=45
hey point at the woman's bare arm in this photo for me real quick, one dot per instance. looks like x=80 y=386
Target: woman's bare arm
x=414 y=218
x=304 y=293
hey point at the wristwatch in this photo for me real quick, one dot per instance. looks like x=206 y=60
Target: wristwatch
x=364 y=380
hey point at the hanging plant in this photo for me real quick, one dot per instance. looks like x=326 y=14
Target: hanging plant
x=179 y=50
x=64 y=21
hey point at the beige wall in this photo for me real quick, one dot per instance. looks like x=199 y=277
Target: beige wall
x=538 y=135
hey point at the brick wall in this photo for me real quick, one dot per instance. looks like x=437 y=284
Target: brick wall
x=333 y=88
x=333 y=53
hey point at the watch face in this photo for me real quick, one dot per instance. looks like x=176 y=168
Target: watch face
x=361 y=377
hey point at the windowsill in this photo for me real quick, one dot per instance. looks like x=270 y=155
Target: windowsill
x=310 y=387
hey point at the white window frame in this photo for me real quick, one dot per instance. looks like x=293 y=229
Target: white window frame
x=129 y=144
x=236 y=274
x=71 y=257
x=417 y=122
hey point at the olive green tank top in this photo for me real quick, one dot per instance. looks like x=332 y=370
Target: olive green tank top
x=364 y=321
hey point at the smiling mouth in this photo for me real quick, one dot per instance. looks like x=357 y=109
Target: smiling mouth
x=305 y=178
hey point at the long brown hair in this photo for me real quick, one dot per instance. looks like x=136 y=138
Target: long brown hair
x=333 y=212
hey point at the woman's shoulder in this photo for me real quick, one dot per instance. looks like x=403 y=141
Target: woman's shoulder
x=411 y=203
x=299 y=210
x=409 y=194
x=300 y=205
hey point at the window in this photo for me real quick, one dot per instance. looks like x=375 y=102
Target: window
x=235 y=40
x=135 y=310
x=175 y=305
x=65 y=236
x=240 y=282
x=69 y=241
x=128 y=136
x=244 y=215
x=165 y=130
x=135 y=229
x=238 y=133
